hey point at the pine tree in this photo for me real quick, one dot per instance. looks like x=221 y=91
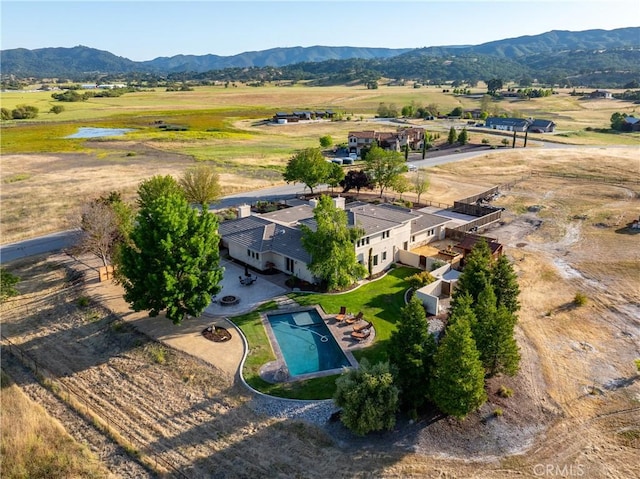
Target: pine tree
x=411 y=351
x=453 y=136
x=476 y=274
x=458 y=383
x=505 y=284
x=503 y=355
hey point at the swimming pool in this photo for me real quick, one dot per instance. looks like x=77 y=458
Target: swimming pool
x=306 y=343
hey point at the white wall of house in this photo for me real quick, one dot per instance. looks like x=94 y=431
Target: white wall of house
x=291 y=266
x=384 y=247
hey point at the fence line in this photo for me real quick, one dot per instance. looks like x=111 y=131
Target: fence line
x=41 y=371
x=582 y=176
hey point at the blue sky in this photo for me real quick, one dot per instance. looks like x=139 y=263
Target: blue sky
x=144 y=30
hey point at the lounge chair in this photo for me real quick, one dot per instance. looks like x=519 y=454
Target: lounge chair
x=354 y=319
x=341 y=316
x=361 y=335
x=362 y=327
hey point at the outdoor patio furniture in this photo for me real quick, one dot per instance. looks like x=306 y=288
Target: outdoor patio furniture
x=342 y=314
x=354 y=319
x=361 y=335
x=362 y=327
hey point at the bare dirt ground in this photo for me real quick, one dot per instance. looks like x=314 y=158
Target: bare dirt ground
x=575 y=411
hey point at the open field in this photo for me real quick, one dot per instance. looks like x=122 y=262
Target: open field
x=576 y=402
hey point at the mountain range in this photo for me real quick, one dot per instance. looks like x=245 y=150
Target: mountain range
x=565 y=53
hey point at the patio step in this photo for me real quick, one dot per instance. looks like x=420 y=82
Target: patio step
x=285 y=302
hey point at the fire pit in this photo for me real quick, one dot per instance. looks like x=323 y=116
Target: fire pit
x=229 y=300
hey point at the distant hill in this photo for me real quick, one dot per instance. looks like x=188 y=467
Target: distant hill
x=80 y=60
x=604 y=57
x=275 y=57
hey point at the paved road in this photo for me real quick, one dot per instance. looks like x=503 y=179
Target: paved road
x=65 y=239
x=40 y=245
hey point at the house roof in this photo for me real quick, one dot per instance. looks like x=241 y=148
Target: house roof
x=376 y=218
x=290 y=216
x=506 y=121
x=631 y=120
x=542 y=123
x=426 y=221
x=263 y=236
x=363 y=134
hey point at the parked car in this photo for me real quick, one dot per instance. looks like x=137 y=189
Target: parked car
x=412 y=167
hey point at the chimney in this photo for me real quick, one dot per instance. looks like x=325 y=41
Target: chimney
x=339 y=202
x=244 y=211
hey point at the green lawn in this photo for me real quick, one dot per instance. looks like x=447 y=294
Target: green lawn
x=380 y=301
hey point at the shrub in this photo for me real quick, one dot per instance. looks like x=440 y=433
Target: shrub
x=83 y=301
x=437 y=264
x=158 y=354
x=368 y=398
x=498 y=412
x=580 y=299
x=505 y=392
x=485 y=141
x=57 y=109
x=418 y=280
x=637 y=361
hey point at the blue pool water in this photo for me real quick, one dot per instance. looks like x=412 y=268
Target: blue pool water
x=98 y=132
x=306 y=343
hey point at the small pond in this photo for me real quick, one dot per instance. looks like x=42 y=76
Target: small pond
x=87 y=132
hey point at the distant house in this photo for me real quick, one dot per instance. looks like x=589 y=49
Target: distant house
x=542 y=126
x=507 y=124
x=601 y=94
x=396 y=141
x=283 y=117
x=631 y=124
x=302 y=115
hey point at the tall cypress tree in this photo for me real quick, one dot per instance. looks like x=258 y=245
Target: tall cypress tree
x=505 y=284
x=411 y=350
x=502 y=354
x=476 y=274
x=458 y=383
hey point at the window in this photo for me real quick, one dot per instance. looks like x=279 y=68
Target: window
x=375 y=260
x=384 y=256
x=367 y=240
x=289 y=265
x=385 y=234
x=413 y=239
x=258 y=256
x=248 y=252
x=405 y=245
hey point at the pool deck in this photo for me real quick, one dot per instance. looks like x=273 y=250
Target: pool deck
x=225 y=356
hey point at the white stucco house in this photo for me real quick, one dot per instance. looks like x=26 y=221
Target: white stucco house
x=273 y=240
